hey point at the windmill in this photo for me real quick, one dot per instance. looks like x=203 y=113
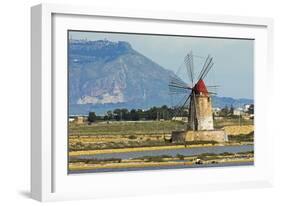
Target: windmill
x=197 y=100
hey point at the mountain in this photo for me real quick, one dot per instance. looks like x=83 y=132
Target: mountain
x=110 y=74
x=105 y=75
x=229 y=101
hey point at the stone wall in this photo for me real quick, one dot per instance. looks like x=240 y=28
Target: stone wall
x=212 y=135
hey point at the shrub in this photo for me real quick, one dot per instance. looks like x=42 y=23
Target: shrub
x=181 y=157
x=132 y=137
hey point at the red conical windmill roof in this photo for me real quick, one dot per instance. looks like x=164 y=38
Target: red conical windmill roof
x=200 y=87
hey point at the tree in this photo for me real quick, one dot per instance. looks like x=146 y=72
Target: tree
x=109 y=115
x=141 y=114
x=92 y=117
x=153 y=113
x=224 y=111
x=251 y=109
x=134 y=115
x=231 y=110
x=117 y=114
x=125 y=115
x=105 y=118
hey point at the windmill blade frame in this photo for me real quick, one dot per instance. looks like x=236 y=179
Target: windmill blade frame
x=207 y=71
x=176 y=80
x=178 y=86
x=193 y=112
x=183 y=105
x=207 y=68
x=203 y=68
x=178 y=91
x=213 y=93
x=188 y=60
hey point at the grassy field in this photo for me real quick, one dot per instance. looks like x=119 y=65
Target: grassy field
x=142 y=127
x=119 y=135
x=134 y=149
x=218 y=124
x=125 y=128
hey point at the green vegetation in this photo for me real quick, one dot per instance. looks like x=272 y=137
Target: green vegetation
x=153 y=113
x=96 y=161
x=242 y=137
x=181 y=157
x=132 y=137
x=160 y=158
x=117 y=145
x=92 y=117
x=224 y=155
x=201 y=142
x=125 y=128
x=78 y=163
x=230 y=121
x=163 y=158
x=211 y=156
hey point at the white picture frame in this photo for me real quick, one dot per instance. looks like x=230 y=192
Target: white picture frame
x=49 y=179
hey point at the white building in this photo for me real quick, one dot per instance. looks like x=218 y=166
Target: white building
x=216 y=111
x=238 y=111
x=246 y=107
x=182 y=119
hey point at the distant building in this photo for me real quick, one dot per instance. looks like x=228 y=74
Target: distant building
x=70 y=119
x=218 y=118
x=247 y=107
x=182 y=119
x=78 y=119
x=238 y=111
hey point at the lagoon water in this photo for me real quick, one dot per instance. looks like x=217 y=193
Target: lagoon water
x=173 y=152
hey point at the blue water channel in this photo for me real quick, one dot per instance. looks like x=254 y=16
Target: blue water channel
x=172 y=152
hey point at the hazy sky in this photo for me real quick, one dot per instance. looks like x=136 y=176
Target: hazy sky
x=233 y=58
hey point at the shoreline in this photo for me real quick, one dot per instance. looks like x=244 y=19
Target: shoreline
x=221 y=162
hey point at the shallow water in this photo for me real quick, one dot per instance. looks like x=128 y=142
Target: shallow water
x=172 y=152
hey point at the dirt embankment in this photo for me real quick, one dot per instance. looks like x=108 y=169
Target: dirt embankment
x=237 y=130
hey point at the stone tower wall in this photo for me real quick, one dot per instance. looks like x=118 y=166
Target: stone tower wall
x=204 y=112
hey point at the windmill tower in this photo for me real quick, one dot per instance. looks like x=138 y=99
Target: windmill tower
x=197 y=100
x=200 y=108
